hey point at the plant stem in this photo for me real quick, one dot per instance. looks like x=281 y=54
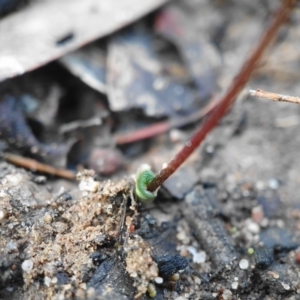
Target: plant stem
x=227 y=100
x=36 y=166
x=274 y=96
x=162 y=127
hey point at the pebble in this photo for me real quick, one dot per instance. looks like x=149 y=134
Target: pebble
x=197 y=280
x=47 y=281
x=89 y=185
x=180 y=298
x=27 y=265
x=198 y=257
x=54 y=280
x=264 y=257
x=151 y=290
x=244 y=264
x=279 y=239
x=234 y=285
x=260 y=185
x=2 y=215
x=285 y=286
x=257 y=214
x=297 y=257
x=252 y=226
x=181 y=235
x=175 y=277
x=273 y=274
x=280 y=223
x=176 y=136
x=264 y=223
x=210 y=149
x=80 y=294
x=47 y=218
x=12 y=246
x=227 y=294
x=91 y=293
x=105 y=160
x=273 y=183
x=159 y=280
x=14 y=179
x=10 y=289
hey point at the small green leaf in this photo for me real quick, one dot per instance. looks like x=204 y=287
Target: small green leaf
x=143 y=176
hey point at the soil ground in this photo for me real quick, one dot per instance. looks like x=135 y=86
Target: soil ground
x=229 y=219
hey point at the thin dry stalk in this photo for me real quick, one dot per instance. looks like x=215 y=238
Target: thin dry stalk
x=162 y=127
x=273 y=96
x=35 y=166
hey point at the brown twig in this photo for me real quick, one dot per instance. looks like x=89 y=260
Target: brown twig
x=35 y=166
x=227 y=100
x=274 y=96
x=162 y=127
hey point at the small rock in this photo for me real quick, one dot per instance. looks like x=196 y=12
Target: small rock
x=158 y=280
x=257 y=214
x=234 y=286
x=174 y=277
x=227 y=294
x=106 y=161
x=170 y=264
x=273 y=183
x=176 y=136
x=10 y=289
x=273 y=274
x=279 y=239
x=47 y=218
x=3 y=215
x=198 y=257
x=89 y=185
x=181 y=236
x=285 y=286
x=12 y=246
x=151 y=290
x=27 y=265
x=252 y=226
x=264 y=257
x=197 y=280
x=150 y=219
x=54 y=280
x=264 y=223
x=210 y=149
x=270 y=204
x=47 y=281
x=180 y=298
x=244 y=264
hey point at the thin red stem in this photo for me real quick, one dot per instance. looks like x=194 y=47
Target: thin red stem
x=227 y=100
x=162 y=127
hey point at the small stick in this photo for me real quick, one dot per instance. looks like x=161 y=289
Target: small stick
x=273 y=96
x=122 y=221
x=228 y=99
x=36 y=166
x=162 y=127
